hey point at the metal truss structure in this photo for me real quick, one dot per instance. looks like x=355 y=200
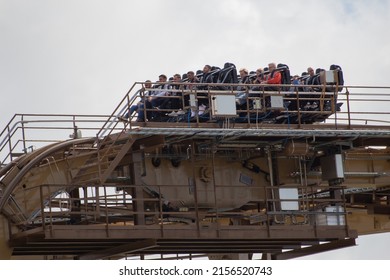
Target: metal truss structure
x=238 y=182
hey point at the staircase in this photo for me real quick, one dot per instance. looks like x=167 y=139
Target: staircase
x=110 y=150
x=103 y=160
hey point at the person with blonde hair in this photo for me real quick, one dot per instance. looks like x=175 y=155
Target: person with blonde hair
x=241 y=97
x=259 y=76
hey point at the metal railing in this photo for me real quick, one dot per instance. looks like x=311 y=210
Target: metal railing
x=355 y=105
x=27 y=132
x=293 y=105
x=109 y=205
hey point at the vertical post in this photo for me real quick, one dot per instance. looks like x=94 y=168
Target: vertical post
x=85 y=194
x=128 y=103
x=345 y=211
x=23 y=136
x=5 y=250
x=106 y=211
x=271 y=178
x=209 y=101
x=215 y=190
x=99 y=144
x=137 y=192
x=50 y=210
x=97 y=201
x=10 y=144
x=143 y=98
x=42 y=207
x=195 y=188
x=298 y=108
x=160 y=203
x=306 y=203
x=334 y=107
x=266 y=213
x=348 y=108
x=313 y=203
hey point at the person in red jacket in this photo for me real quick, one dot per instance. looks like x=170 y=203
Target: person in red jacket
x=273 y=78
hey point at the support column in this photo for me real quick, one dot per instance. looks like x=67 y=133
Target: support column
x=137 y=169
x=5 y=250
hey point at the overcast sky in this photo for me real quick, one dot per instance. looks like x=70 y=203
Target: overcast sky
x=81 y=57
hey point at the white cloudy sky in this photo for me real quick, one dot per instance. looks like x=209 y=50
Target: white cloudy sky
x=81 y=56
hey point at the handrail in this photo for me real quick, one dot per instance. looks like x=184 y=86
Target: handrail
x=352 y=111
x=302 y=94
x=112 y=119
x=23 y=130
x=118 y=205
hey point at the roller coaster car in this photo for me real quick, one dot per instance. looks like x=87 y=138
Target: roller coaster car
x=225 y=96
